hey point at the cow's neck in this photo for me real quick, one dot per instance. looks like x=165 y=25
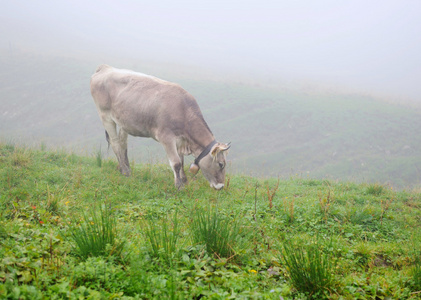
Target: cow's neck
x=199 y=143
x=199 y=134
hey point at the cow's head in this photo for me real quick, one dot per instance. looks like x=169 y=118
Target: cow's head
x=212 y=164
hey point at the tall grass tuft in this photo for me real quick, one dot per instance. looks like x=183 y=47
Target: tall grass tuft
x=221 y=236
x=375 y=189
x=3 y=232
x=309 y=268
x=98 y=157
x=164 y=240
x=416 y=274
x=52 y=203
x=416 y=269
x=43 y=146
x=97 y=235
x=21 y=158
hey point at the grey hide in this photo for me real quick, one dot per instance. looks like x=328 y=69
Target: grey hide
x=141 y=105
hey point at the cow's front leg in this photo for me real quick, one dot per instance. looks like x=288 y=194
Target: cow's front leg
x=176 y=164
x=182 y=174
x=178 y=180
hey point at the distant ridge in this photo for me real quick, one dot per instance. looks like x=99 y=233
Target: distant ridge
x=274 y=131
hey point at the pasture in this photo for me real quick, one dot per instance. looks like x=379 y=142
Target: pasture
x=71 y=227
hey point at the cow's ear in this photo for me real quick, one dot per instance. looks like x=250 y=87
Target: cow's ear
x=194 y=168
x=219 y=148
x=214 y=150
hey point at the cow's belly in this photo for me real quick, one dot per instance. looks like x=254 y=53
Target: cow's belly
x=137 y=113
x=138 y=133
x=134 y=128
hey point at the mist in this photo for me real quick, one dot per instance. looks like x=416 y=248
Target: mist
x=369 y=47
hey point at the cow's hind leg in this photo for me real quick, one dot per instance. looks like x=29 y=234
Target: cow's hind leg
x=119 y=145
x=122 y=136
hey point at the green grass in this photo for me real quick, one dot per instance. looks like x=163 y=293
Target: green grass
x=344 y=240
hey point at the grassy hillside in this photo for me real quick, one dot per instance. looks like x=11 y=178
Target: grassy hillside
x=73 y=227
x=274 y=130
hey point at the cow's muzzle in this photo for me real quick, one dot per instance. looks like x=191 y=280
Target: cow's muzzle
x=217 y=186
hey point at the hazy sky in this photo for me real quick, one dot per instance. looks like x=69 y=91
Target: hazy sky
x=366 y=45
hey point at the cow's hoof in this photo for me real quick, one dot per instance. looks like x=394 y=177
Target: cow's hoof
x=125 y=172
x=180 y=184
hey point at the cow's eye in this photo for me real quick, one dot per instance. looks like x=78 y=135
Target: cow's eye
x=221 y=165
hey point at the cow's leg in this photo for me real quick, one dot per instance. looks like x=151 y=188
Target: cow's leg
x=116 y=145
x=182 y=174
x=175 y=162
x=124 y=163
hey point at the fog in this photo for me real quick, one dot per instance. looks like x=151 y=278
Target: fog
x=365 y=46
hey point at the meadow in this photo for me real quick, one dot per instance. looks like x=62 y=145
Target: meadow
x=71 y=227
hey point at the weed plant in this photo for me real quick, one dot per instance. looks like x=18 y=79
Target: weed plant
x=97 y=271
x=98 y=158
x=143 y=281
x=309 y=268
x=97 y=235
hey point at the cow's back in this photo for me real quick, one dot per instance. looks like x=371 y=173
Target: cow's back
x=143 y=104
x=114 y=83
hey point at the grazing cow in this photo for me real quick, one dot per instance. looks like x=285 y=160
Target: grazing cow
x=141 y=105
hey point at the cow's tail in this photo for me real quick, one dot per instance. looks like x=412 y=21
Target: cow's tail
x=107 y=137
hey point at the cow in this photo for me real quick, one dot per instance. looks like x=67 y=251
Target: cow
x=141 y=105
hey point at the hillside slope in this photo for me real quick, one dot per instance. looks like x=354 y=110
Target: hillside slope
x=274 y=131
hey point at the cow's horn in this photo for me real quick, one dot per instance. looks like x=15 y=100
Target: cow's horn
x=194 y=168
x=227 y=147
